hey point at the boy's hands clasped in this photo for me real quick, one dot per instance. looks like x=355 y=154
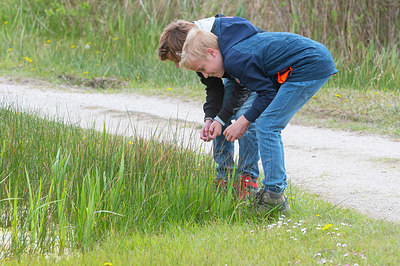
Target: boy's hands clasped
x=204 y=133
x=212 y=129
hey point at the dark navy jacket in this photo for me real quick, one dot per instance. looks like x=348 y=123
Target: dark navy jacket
x=254 y=58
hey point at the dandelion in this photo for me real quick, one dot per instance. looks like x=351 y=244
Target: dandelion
x=338 y=95
x=130 y=142
x=32 y=69
x=27 y=59
x=5 y=22
x=107 y=264
x=327 y=226
x=48 y=41
x=86 y=72
x=10 y=49
x=169 y=89
x=376 y=93
x=317 y=215
x=73 y=46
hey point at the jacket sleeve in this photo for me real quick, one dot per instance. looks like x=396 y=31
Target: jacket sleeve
x=233 y=104
x=214 y=96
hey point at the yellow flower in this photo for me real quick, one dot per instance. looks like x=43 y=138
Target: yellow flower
x=86 y=72
x=130 y=142
x=32 y=69
x=327 y=226
x=88 y=43
x=115 y=38
x=107 y=264
x=73 y=46
x=376 y=93
x=27 y=59
x=5 y=22
x=317 y=215
x=10 y=49
x=338 y=95
x=48 y=41
x=169 y=89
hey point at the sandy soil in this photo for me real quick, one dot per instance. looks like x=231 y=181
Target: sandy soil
x=353 y=170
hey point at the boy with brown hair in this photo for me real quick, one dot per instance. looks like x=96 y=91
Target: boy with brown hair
x=224 y=101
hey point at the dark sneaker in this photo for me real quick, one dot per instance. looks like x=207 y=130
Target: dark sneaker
x=267 y=201
x=247 y=187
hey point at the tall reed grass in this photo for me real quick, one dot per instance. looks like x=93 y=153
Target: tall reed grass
x=48 y=38
x=63 y=187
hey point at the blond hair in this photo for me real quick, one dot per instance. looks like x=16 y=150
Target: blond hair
x=196 y=45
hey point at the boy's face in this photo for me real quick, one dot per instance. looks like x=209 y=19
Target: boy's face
x=212 y=66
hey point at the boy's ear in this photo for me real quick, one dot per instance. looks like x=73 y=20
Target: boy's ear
x=211 y=51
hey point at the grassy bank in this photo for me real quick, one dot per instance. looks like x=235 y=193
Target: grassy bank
x=77 y=196
x=107 y=44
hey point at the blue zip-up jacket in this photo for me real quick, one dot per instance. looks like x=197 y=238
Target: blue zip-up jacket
x=254 y=58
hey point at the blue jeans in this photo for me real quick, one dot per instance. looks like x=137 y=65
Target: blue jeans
x=289 y=99
x=223 y=150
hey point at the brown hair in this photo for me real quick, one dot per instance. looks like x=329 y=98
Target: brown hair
x=172 y=39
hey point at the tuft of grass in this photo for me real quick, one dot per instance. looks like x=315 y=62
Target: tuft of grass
x=67 y=187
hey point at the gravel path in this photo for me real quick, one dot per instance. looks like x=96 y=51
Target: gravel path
x=354 y=170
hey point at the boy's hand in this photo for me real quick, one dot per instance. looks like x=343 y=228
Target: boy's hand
x=237 y=129
x=204 y=133
x=215 y=130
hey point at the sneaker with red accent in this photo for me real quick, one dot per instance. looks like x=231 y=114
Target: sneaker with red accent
x=220 y=184
x=247 y=188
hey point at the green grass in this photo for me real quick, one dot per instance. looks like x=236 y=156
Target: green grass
x=314 y=233
x=105 y=44
x=79 y=185
x=85 y=197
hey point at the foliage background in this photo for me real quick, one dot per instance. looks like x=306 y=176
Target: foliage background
x=123 y=36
